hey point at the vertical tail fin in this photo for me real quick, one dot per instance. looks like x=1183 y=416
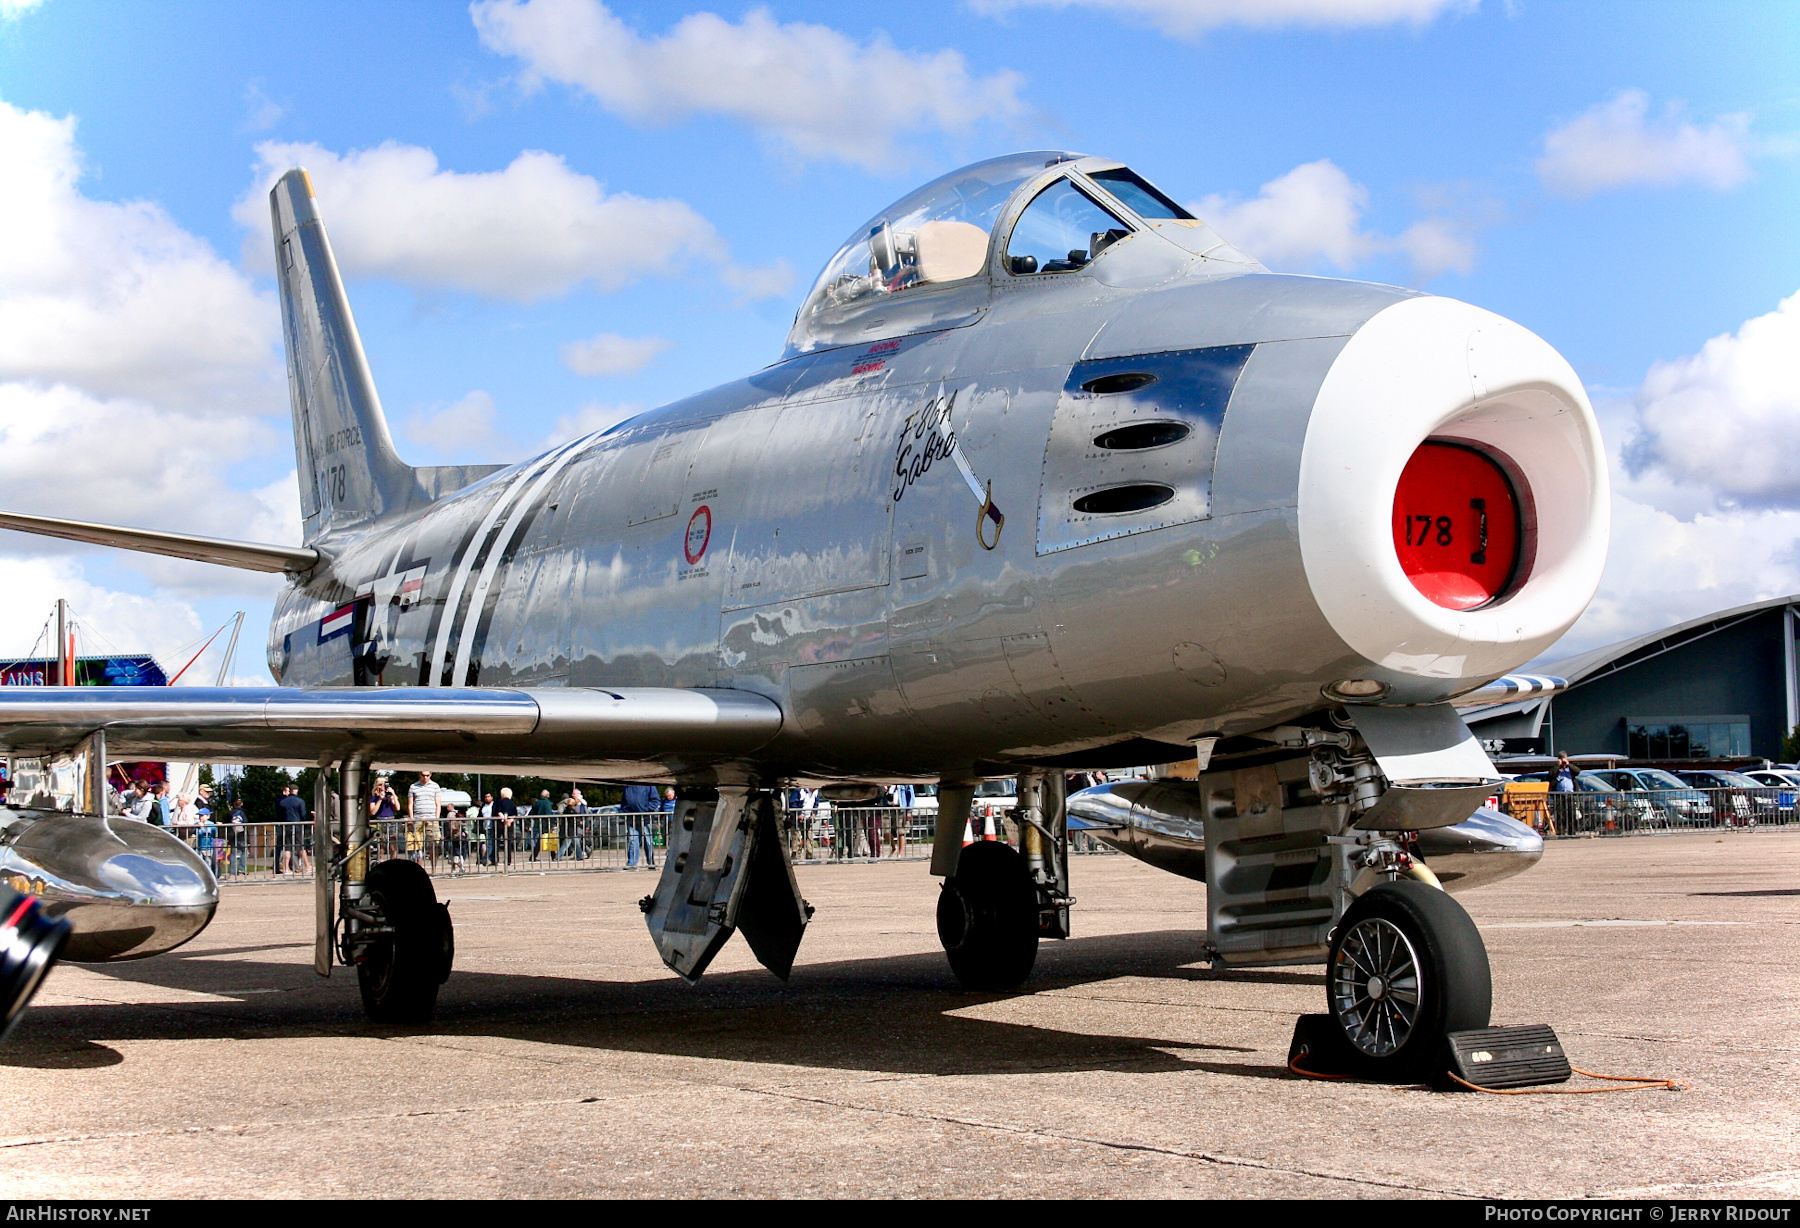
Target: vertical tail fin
x=349 y=471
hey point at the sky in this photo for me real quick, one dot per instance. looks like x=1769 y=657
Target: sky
x=552 y=214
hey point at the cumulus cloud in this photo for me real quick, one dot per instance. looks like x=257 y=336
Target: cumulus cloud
x=1314 y=212
x=1664 y=569
x=1728 y=418
x=759 y=281
x=135 y=364
x=468 y=429
x=128 y=622
x=1313 y=216
x=1617 y=143
x=811 y=89
x=65 y=452
x=116 y=298
x=1703 y=517
x=611 y=354
x=1436 y=245
x=591 y=417
x=137 y=371
x=1189 y=18
x=260 y=111
x=531 y=231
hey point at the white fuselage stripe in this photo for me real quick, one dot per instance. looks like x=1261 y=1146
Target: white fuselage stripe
x=459 y=582
x=465 y=643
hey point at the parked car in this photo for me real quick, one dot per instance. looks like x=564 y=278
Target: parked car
x=1674 y=799
x=1785 y=782
x=1743 y=797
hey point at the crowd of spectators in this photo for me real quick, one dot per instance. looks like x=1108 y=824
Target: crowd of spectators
x=431 y=825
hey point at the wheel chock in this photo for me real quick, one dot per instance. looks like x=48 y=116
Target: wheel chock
x=1319 y=1050
x=1523 y=1055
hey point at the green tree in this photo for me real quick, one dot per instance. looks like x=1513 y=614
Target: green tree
x=1790 y=746
x=260 y=789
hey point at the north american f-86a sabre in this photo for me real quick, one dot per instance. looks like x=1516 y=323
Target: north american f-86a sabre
x=1050 y=476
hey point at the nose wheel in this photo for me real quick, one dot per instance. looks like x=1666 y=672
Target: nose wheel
x=987 y=918
x=1407 y=966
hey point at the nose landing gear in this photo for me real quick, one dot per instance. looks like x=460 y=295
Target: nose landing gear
x=1406 y=966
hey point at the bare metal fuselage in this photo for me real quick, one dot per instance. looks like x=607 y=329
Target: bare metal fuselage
x=810 y=534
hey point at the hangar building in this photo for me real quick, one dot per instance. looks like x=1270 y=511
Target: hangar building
x=1717 y=687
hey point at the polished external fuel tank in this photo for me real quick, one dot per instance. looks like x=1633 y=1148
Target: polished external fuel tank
x=127 y=889
x=1161 y=822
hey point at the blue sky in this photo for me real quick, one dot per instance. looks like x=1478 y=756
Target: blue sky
x=1621 y=178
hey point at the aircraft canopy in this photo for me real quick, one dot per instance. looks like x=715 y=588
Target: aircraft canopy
x=938 y=233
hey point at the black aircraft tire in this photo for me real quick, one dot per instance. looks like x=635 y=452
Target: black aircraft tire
x=987 y=918
x=1442 y=965
x=400 y=976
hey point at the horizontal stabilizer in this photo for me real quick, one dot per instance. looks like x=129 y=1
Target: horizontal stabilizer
x=597 y=732
x=250 y=556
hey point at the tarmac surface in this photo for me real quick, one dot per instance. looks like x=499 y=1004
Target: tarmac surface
x=565 y=1061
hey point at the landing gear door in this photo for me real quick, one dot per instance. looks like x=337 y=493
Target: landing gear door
x=767 y=904
x=689 y=916
x=726 y=867
x=324 y=876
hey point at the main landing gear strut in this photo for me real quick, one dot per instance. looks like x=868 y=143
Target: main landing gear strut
x=383 y=920
x=997 y=901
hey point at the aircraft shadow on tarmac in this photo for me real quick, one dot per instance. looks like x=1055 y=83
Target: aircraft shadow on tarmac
x=892 y=1014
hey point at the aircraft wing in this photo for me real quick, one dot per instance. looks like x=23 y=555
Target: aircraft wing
x=570 y=728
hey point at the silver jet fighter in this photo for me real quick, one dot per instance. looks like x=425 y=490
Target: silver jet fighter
x=1049 y=476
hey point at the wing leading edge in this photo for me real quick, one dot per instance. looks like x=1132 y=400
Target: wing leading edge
x=599 y=731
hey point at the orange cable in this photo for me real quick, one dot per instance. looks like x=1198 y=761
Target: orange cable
x=1294 y=1067
x=1639 y=1083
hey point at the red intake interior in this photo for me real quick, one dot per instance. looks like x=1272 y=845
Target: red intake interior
x=1456 y=525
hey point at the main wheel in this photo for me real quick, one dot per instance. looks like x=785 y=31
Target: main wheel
x=987 y=918
x=400 y=972
x=1407 y=966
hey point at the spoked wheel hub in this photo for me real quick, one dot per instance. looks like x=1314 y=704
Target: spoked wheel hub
x=1375 y=987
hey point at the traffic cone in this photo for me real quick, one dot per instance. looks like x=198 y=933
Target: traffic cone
x=987 y=827
x=968 y=833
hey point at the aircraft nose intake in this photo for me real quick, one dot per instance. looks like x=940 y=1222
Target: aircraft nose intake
x=1453 y=504
x=128 y=890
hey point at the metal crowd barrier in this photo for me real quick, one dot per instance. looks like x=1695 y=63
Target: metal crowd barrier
x=532 y=844
x=528 y=844
x=1636 y=813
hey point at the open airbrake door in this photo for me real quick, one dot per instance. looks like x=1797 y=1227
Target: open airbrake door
x=725 y=868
